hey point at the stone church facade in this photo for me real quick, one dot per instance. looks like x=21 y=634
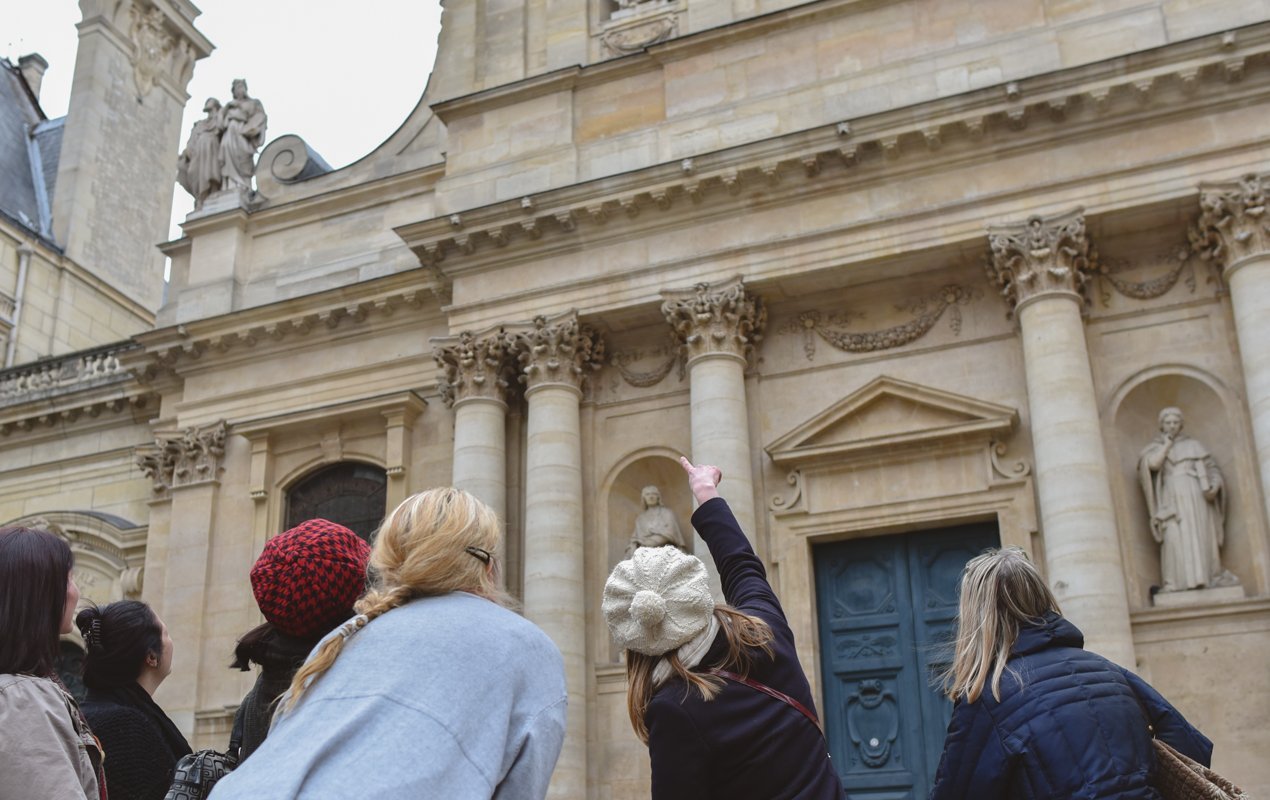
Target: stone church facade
x=918 y=275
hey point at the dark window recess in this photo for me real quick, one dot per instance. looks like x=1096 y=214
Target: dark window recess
x=70 y=668
x=348 y=493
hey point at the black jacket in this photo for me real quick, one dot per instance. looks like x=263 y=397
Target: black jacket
x=140 y=745
x=279 y=657
x=1069 y=724
x=743 y=745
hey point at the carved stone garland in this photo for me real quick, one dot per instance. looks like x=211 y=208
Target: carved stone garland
x=716 y=318
x=558 y=350
x=1044 y=255
x=1151 y=288
x=673 y=353
x=1233 y=223
x=183 y=458
x=928 y=311
x=475 y=365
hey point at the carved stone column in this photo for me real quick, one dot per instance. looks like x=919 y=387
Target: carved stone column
x=476 y=372
x=1234 y=232
x=555 y=353
x=184 y=467
x=1041 y=266
x=719 y=324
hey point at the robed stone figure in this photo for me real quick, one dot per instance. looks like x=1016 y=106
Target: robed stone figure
x=198 y=169
x=656 y=525
x=1186 y=499
x=243 y=124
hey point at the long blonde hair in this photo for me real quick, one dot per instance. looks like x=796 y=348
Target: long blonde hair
x=438 y=541
x=1001 y=591
x=744 y=634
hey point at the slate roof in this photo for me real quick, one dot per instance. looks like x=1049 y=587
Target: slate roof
x=30 y=145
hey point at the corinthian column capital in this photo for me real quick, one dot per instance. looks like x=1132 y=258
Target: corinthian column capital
x=716 y=318
x=1041 y=256
x=1233 y=224
x=557 y=350
x=475 y=365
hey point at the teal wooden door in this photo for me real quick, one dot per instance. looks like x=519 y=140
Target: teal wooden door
x=887 y=607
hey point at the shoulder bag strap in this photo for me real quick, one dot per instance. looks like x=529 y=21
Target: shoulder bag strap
x=767 y=690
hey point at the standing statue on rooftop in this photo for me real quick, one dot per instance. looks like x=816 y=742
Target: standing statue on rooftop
x=198 y=167
x=1186 y=499
x=243 y=123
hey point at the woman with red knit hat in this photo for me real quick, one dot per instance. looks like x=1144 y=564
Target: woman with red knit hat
x=305 y=582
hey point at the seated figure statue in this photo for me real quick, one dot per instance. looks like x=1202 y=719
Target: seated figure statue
x=656 y=525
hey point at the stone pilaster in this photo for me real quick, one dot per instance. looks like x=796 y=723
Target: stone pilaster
x=555 y=355
x=476 y=373
x=1041 y=266
x=185 y=470
x=1234 y=232
x=720 y=324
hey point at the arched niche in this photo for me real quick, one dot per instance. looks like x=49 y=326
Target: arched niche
x=109 y=551
x=1211 y=416
x=621 y=503
x=351 y=493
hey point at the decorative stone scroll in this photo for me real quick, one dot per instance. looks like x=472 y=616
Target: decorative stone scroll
x=475 y=365
x=1233 y=224
x=558 y=349
x=716 y=318
x=183 y=458
x=1044 y=255
x=927 y=310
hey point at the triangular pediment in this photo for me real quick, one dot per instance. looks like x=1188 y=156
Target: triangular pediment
x=893 y=416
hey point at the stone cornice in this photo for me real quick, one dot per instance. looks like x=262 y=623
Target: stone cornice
x=75 y=389
x=162 y=350
x=1194 y=74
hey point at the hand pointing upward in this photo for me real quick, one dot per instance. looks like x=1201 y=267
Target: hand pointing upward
x=702 y=479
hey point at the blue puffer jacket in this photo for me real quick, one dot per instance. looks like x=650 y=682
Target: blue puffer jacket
x=1070 y=724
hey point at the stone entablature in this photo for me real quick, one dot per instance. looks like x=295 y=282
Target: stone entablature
x=1233 y=223
x=63 y=374
x=721 y=318
x=1102 y=95
x=1044 y=255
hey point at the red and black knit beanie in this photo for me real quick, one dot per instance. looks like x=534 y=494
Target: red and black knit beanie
x=307 y=579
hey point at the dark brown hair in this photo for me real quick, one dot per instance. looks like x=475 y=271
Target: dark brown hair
x=118 y=636
x=35 y=567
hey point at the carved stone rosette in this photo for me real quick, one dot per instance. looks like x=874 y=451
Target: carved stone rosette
x=1043 y=255
x=1233 y=224
x=558 y=349
x=183 y=458
x=475 y=365
x=716 y=318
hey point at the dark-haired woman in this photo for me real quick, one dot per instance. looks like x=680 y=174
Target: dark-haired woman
x=129 y=655
x=46 y=747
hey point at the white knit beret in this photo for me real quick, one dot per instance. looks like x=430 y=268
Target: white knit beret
x=657 y=600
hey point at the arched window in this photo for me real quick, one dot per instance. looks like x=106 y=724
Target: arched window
x=349 y=493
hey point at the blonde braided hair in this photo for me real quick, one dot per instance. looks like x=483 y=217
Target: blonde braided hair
x=436 y=542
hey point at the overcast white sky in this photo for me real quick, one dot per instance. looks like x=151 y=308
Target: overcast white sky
x=343 y=75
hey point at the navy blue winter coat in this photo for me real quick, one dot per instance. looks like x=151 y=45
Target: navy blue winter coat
x=1070 y=724
x=743 y=745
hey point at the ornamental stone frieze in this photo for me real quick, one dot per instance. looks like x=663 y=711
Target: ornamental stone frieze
x=475 y=365
x=1233 y=224
x=558 y=350
x=183 y=458
x=719 y=318
x=1044 y=255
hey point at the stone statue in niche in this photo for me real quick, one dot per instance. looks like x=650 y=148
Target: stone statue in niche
x=656 y=525
x=1186 y=499
x=198 y=167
